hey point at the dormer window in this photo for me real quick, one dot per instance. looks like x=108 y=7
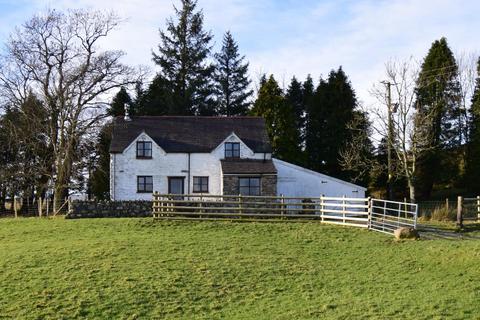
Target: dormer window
x=144 y=149
x=232 y=150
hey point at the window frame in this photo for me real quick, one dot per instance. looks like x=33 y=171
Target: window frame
x=202 y=179
x=232 y=150
x=144 y=149
x=145 y=184
x=250 y=187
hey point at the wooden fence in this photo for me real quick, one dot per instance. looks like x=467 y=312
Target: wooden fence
x=357 y=212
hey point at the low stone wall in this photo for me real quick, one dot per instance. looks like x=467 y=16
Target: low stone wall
x=109 y=209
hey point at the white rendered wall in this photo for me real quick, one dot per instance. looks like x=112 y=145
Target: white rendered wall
x=295 y=181
x=125 y=167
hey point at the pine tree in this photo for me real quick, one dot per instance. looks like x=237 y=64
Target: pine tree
x=99 y=182
x=473 y=155
x=438 y=97
x=279 y=116
x=294 y=96
x=157 y=100
x=183 y=58
x=329 y=113
x=117 y=107
x=231 y=79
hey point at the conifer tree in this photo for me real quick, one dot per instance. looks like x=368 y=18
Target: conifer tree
x=231 y=79
x=473 y=155
x=279 y=116
x=99 y=181
x=183 y=59
x=329 y=113
x=117 y=107
x=438 y=97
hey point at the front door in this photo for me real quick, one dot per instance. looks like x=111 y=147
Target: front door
x=175 y=185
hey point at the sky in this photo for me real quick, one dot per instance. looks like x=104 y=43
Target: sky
x=286 y=37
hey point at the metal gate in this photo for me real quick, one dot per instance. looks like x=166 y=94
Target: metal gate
x=386 y=216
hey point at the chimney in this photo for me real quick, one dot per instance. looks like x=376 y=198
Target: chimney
x=127 y=115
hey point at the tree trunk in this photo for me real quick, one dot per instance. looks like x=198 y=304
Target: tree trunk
x=411 y=188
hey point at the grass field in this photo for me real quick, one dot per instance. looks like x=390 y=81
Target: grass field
x=139 y=268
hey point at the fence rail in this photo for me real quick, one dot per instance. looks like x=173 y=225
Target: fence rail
x=349 y=211
x=375 y=214
x=386 y=216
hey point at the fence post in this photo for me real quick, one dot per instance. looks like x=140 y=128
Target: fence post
x=321 y=207
x=459 y=212
x=240 y=204
x=69 y=205
x=343 y=208
x=478 y=208
x=282 y=201
x=369 y=213
x=447 y=204
x=40 y=207
x=15 y=206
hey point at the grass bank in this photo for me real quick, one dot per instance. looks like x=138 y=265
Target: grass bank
x=139 y=268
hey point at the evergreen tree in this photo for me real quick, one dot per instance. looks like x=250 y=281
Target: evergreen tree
x=438 y=97
x=183 y=58
x=473 y=155
x=295 y=98
x=279 y=116
x=231 y=79
x=117 y=107
x=330 y=111
x=99 y=181
x=157 y=100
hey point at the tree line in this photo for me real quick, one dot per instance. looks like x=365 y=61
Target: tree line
x=56 y=133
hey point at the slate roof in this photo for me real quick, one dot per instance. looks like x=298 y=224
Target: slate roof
x=189 y=133
x=248 y=166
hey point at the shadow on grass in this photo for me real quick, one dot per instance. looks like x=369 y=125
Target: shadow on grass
x=470 y=230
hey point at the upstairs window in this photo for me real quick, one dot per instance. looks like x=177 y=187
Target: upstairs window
x=249 y=186
x=144 y=149
x=200 y=184
x=232 y=150
x=144 y=184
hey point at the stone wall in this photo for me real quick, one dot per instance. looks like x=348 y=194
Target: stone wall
x=109 y=209
x=268 y=185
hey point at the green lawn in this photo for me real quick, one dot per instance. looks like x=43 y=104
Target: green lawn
x=139 y=268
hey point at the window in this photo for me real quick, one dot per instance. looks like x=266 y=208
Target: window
x=200 y=184
x=144 y=149
x=232 y=150
x=144 y=184
x=249 y=186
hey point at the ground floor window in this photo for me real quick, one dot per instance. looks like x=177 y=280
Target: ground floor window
x=200 y=184
x=144 y=184
x=249 y=186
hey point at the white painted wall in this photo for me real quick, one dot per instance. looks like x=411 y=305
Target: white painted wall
x=295 y=181
x=125 y=167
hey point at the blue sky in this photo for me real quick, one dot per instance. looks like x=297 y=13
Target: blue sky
x=292 y=37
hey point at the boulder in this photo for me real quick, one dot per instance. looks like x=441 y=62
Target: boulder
x=406 y=233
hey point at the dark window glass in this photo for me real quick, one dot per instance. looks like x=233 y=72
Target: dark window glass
x=144 y=184
x=232 y=150
x=200 y=184
x=249 y=186
x=144 y=149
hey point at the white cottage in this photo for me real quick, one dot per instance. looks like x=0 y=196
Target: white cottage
x=211 y=155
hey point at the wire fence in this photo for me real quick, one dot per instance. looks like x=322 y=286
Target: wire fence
x=448 y=209
x=31 y=207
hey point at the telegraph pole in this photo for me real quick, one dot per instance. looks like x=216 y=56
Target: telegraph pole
x=389 y=140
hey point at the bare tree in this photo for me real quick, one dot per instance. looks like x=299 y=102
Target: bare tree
x=409 y=142
x=57 y=56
